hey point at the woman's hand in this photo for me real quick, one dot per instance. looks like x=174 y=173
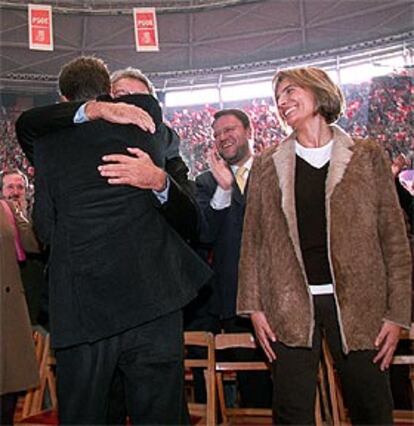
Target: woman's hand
x=264 y=333
x=386 y=342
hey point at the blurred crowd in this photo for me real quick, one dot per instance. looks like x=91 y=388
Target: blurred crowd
x=380 y=109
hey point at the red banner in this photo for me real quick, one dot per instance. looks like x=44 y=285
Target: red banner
x=40 y=27
x=146 y=30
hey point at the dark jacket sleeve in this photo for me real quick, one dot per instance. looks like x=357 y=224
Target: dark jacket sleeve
x=37 y=122
x=181 y=210
x=43 y=210
x=211 y=220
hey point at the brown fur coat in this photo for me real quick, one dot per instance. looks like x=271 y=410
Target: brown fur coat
x=18 y=365
x=369 y=254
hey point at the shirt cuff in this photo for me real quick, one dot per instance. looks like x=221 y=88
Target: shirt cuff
x=221 y=198
x=80 y=115
x=162 y=196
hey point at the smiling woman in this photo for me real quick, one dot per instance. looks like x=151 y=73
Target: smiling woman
x=307 y=92
x=326 y=235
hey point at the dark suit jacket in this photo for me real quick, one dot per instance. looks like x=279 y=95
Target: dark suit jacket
x=222 y=230
x=115 y=263
x=180 y=210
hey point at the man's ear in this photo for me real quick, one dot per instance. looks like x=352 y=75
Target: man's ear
x=63 y=98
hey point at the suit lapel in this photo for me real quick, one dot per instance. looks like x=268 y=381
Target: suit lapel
x=237 y=196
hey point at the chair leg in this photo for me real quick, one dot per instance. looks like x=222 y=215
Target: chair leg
x=211 y=399
x=318 y=414
x=322 y=385
x=332 y=385
x=221 y=398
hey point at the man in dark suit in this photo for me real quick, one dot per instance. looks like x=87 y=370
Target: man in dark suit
x=119 y=274
x=179 y=208
x=220 y=195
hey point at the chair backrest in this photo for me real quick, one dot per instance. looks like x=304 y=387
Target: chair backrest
x=34 y=399
x=236 y=341
x=406 y=416
x=407 y=359
x=202 y=339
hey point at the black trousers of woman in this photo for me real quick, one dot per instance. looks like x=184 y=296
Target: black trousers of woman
x=365 y=387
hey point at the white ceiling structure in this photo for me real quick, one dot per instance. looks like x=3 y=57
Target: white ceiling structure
x=199 y=39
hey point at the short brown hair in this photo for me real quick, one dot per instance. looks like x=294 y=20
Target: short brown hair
x=238 y=113
x=86 y=77
x=330 y=101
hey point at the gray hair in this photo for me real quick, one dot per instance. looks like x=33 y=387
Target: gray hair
x=135 y=74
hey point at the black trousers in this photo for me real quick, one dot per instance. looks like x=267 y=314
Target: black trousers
x=150 y=361
x=366 y=388
x=8 y=404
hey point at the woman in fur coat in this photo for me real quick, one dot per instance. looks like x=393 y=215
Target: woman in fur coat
x=324 y=254
x=18 y=366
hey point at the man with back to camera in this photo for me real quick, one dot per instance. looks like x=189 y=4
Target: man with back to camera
x=119 y=275
x=220 y=194
x=179 y=207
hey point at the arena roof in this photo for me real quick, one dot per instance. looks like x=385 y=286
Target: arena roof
x=198 y=37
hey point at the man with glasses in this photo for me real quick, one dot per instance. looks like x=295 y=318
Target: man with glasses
x=221 y=193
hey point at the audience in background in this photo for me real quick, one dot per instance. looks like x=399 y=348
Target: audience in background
x=379 y=108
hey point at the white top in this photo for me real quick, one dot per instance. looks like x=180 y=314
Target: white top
x=316 y=157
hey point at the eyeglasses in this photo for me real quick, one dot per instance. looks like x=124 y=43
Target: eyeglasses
x=226 y=131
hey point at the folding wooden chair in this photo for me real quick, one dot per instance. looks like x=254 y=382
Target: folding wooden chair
x=34 y=399
x=231 y=414
x=406 y=416
x=200 y=339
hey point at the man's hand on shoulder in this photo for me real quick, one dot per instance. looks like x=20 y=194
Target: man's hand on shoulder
x=120 y=113
x=137 y=170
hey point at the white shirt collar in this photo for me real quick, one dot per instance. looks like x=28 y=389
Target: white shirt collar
x=247 y=165
x=316 y=157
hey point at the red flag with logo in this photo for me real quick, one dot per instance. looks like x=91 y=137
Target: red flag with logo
x=40 y=27
x=146 y=30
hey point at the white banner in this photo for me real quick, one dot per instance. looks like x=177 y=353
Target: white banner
x=146 y=30
x=40 y=27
